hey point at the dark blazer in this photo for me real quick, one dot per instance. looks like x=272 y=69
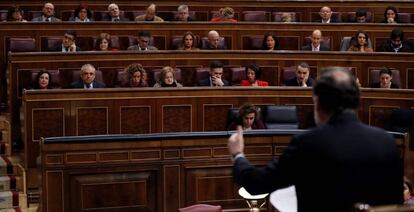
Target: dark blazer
x=40 y=19
x=294 y=82
x=308 y=47
x=332 y=167
x=219 y=47
x=378 y=85
x=79 y=84
x=59 y=49
x=386 y=47
x=207 y=82
x=107 y=17
x=332 y=21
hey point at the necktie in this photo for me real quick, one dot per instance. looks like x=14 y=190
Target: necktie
x=88 y=86
x=116 y=19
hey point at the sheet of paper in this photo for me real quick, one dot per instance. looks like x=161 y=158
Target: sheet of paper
x=285 y=199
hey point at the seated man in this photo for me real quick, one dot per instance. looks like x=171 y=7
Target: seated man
x=316 y=44
x=325 y=15
x=150 y=14
x=68 y=43
x=216 y=74
x=302 y=76
x=361 y=16
x=182 y=13
x=87 y=81
x=396 y=43
x=144 y=38
x=214 y=41
x=113 y=14
x=48 y=14
x=385 y=79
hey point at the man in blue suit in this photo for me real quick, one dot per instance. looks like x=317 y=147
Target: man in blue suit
x=337 y=164
x=87 y=80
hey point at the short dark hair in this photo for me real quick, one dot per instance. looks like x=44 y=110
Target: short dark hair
x=245 y=109
x=144 y=34
x=394 y=9
x=336 y=95
x=360 y=12
x=71 y=32
x=81 y=7
x=397 y=33
x=12 y=10
x=257 y=70
x=385 y=70
x=264 y=45
x=216 y=64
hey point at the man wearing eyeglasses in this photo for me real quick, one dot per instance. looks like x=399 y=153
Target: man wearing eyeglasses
x=144 y=38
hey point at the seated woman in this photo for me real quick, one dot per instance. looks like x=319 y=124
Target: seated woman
x=391 y=15
x=253 y=72
x=359 y=42
x=82 y=14
x=167 y=79
x=104 y=43
x=136 y=76
x=408 y=192
x=247 y=119
x=269 y=42
x=15 y=14
x=42 y=81
x=226 y=15
x=188 y=42
x=385 y=76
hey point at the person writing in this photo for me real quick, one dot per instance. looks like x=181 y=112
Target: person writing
x=337 y=164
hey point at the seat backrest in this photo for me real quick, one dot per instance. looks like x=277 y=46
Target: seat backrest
x=67 y=14
x=237 y=74
x=22 y=44
x=404 y=17
x=201 y=73
x=201 y=208
x=259 y=16
x=34 y=14
x=278 y=16
x=287 y=74
x=51 y=43
x=3 y=15
x=351 y=17
x=280 y=117
x=374 y=76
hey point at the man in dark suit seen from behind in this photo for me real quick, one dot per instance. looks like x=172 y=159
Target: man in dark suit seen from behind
x=337 y=164
x=68 y=43
x=87 y=81
x=316 y=45
x=144 y=37
x=216 y=76
x=48 y=13
x=302 y=76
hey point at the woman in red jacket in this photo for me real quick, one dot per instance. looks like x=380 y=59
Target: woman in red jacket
x=253 y=72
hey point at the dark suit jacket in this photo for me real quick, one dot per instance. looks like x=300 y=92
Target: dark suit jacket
x=378 y=85
x=332 y=21
x=386 y=47
x=40 y=18
x=332 y=167
x=294 y=82
x=107 y=17
x=207 y=82
x=308 y=47
x=79 y=84
x=59 y=49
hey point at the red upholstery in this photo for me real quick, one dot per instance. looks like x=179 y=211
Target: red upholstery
x=288 y=42
x=374 y=76
x=351 y=17
x=259 y=16
x=287 y=74
x=201 y=73
x=404 y=17
x=22 y=44
x=237 y=74
x=51 y=43
x=253 y=42
x=201 y=208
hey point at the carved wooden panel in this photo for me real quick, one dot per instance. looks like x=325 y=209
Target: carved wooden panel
x=135 y=119
x=92 y=120
x=176 y=118
x=410 y=78
x=215 y=116
x=124 y=191
x=380 y=116
x=305 y=116
x=172 y=184
x=54 y=189
x=212 y=185
x=48 y=122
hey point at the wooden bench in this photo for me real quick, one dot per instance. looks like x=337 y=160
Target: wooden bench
x=159 y=172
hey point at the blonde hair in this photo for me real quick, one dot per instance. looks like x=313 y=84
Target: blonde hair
x=165 y=71
x=227 y=12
